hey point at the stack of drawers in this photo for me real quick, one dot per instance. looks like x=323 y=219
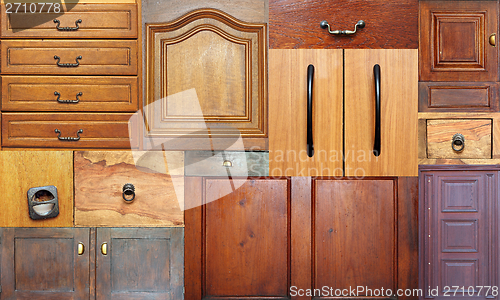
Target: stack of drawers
x=69 y=83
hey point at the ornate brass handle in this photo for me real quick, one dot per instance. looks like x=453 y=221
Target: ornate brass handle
x=128 y=192
x=69 y=138
x=68 y=101
x=104 y=248
x=67 y=65
x=492 y=39
x=458 y=142
x=81 y=248
x=77 y=22
x=360 y=24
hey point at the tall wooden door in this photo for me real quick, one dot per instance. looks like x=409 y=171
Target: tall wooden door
x=398 y=88
x=45 y=263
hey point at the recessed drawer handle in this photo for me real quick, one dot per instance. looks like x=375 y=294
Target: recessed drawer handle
x=310 y=141
x=377 y=142
x=81 y=248
x=67 y=65
x=68 y=101
x=492 y=39
x=77 y=22
x=68 y=138
x=128 y=192
x=360 y=24
x=458 y=142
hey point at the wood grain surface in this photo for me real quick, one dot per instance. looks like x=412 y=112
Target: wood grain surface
x=100 y=176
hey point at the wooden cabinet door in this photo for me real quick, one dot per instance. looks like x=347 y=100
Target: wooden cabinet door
x=288 y=71
x=43 y=263
x=398 y=113
x=139 y=263
x=458 y=231
x=455 y=41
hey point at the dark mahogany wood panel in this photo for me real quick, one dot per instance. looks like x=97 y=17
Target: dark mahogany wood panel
x=389 y=24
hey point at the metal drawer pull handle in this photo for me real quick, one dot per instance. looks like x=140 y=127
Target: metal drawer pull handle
x=77 y=22
x=104 y=248
x=492 y=39
x=67 y=65
x=227 y=163
x=68 y=101
x=376 y=76
x=360 y=24
x=81 y=248
x=310 y=142
x=458 y=142
x=128 y=192
x=69 y=138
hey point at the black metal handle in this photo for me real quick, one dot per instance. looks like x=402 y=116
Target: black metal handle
x=77 y=22
x=128 y=192
x=68 y=101
x=310 y=77
x=67 y=65
x=376 y=76
x=458 y=142
x=68 y=138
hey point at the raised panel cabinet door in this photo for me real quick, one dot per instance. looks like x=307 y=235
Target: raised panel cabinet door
x=139 y=263
x=458 y=216
x=456 y=42
x=43 y=263
x=398 y=86
x=288 y=107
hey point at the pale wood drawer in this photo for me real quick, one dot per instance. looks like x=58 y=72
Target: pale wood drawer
x=38 y=93
x=97 y=21
x=477 y=135
x=158 y=179
x=227 y=163
x=37 y=130
x=117 y=57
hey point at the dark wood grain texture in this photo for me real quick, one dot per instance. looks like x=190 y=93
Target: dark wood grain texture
x=391 y=24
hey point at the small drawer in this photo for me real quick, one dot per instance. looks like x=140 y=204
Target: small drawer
x=69 y=57
x=51 y=93
x=227 y=163
x=154 y=196
x=70 y=130
x=74 y=20
x=469 y=138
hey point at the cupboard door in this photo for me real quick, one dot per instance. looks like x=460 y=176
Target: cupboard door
x=398 y=154
x=139 y=263
x=44 y=264
x=455 y=41
x=288 y=71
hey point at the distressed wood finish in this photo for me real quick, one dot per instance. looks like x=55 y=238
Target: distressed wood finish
x=458 y=96
x=399 y=113
x=98 y=21
x=36 y=130
x=23 y=93
x=22 y=170
x=288 y=112
x=391 y=24
x=44 y=263
x=208 y=163
x=477 y=134
x=454 y=42
x=118 y=57
x=157 y=178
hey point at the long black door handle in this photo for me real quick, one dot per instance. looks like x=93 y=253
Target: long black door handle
x=376 y=76
x=310 y=77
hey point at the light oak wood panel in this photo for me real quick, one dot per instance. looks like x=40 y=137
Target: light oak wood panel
x=98 y=57
x=159 y=188
x=22 y=170
x=97 y=21
x=288 y=112
x=399 y=112
x=477 y=134
x=36 y=93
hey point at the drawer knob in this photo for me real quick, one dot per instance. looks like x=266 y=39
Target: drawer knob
x=360 y=24
x=104 y=248
x=81 y=248
x=128 y=192
x=492 y=39
x=227 y=163
x=62 y=138
x=77 y=22
x=458 y=142
x=68 y=101
x=59 y=64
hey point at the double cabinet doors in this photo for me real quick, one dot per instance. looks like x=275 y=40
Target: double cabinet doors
x=346 y=109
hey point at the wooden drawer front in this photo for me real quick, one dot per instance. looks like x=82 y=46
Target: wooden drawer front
x=98 y=57
x=477 y=134
x=389 y=24
x=36 y=130
x=157 y=178
x=97 y=21
x=29 y=93
x=227 y=163
x=458 y=96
